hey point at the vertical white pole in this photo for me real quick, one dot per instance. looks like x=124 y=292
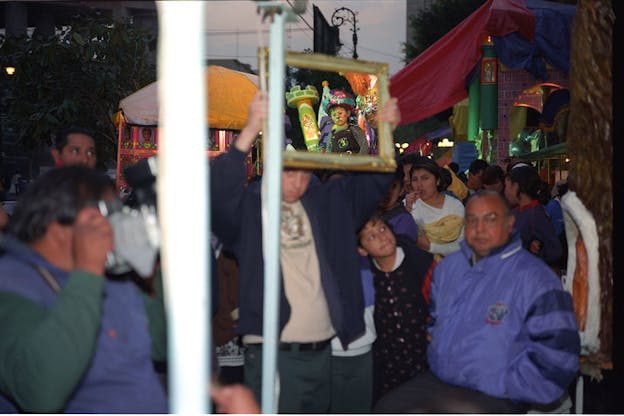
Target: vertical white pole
x=272 y=195
x=183 y=203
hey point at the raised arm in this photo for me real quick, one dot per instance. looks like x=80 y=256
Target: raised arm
x=257 y=113
x=228 y=174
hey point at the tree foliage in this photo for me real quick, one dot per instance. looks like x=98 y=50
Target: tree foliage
x=76 y=76
x=432 y=23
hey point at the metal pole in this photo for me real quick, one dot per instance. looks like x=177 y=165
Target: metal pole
x=272 y=207
x=578 y=407
x=183 y=202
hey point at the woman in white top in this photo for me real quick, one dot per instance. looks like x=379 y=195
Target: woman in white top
x=440 y=217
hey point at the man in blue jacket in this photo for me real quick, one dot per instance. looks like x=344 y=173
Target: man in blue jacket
x=321 y=287
x=503 y=330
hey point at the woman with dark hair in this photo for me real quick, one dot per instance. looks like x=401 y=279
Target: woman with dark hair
x=439 y=217
x=526 y=193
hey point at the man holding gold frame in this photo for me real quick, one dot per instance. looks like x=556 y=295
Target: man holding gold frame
x=322 y=293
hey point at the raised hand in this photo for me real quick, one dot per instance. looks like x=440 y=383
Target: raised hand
x=390 y=113
x=92 y=239
x=258 y=112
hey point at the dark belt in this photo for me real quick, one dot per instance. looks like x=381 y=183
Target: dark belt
x=304 y=346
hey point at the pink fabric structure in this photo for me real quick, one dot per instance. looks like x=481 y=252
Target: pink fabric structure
x=436 y=79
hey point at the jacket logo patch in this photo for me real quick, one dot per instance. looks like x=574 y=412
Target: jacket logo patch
x=496 y=313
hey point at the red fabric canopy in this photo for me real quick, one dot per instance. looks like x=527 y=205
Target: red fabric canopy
x=435 y=79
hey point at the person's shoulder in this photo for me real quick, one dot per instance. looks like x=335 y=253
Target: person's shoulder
x=453 y=203
x=411 y=249
x=533 y=271
x=453 y=259
x=356 y=129
x=9 y=265
x=454 y=263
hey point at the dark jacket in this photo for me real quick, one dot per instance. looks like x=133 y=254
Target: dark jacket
x=533 y=223
x=336 y=210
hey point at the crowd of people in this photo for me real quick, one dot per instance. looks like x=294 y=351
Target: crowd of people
x=422 y=291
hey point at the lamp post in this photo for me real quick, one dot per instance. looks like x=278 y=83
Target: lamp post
x=342 y=15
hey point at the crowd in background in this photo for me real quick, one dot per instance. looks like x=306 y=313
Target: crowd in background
x=427 y=290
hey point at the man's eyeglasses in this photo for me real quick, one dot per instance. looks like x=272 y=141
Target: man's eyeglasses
x=489 y=220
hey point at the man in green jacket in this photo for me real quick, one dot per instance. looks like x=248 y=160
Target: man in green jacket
x=72 y=340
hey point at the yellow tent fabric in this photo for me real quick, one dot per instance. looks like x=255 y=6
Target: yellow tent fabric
x=229 y=93
x=459 y=120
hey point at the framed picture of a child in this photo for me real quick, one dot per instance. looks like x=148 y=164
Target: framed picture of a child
x=335 y=122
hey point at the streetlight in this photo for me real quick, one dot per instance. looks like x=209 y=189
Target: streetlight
x=340 y=16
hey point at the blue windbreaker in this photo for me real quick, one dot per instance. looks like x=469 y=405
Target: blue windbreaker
x=503 y=326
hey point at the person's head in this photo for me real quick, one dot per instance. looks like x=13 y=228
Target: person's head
x=392 y=197
x=405 y=162
x=425 y=178
x=488 y=222
x=376 y=239
x=340 y=115
x=445 y=178
x=339 y=106
x=493 y=178
x=55 y=199
x=146 y=133
x=561 y=187
x=475 y=173
x=294 y=184
x=523 y=183
x=74 y=146
x=454 y=166
x=516 y=163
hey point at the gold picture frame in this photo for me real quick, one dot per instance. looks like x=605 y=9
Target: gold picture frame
x=384 y=161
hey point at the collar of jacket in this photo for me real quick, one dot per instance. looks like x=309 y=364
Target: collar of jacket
x=531 y=204
x=511 y=247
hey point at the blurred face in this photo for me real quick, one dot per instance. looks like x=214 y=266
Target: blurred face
x=377 y=240
x=487 y=225
x=425 y=184
x=474 y=181
x=340 y=116
x=511 y=192
x=407 y=181
x=79 y=150
x=294 y=184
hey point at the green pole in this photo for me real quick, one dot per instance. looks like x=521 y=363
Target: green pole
x=489 y=99
x=474 y=99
